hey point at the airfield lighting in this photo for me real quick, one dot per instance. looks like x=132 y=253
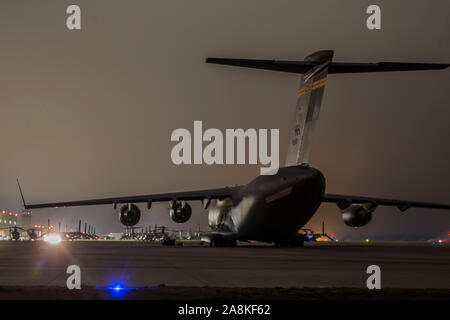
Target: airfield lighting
x=52 y=238
x=4 y=211
x=367 y=240
x=117 y=286
x=117 y=289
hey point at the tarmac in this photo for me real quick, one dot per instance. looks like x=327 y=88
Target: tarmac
x=320 y=265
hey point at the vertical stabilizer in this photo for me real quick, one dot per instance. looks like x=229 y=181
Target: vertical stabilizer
x=307 y=108
x=315 y=69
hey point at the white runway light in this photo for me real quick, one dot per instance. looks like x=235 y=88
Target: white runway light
x=52 y=238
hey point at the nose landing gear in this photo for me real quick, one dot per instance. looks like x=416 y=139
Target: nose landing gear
x=218 y=241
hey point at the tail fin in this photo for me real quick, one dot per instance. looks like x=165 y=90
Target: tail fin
x=315 y=69
x=312 y=85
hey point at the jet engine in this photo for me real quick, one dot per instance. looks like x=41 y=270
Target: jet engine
x=180 y=212
x=358 y=215
x=129 y=215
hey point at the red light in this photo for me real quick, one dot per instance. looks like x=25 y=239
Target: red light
x=4 y=211
x=10 y=213
x=332 y=235
x=16 y=215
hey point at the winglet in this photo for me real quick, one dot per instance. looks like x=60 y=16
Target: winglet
x=21 y=194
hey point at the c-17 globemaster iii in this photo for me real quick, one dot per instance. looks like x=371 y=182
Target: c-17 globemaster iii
x=272 y=208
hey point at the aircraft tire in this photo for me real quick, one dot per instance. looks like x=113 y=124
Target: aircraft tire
x=216 y=241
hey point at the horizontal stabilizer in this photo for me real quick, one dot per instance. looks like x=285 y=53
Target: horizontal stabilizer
x=334 y=67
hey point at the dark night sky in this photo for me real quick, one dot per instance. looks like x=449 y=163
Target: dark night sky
x=89 y=113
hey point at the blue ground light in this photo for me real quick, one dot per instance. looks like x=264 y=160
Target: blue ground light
x=118 y=290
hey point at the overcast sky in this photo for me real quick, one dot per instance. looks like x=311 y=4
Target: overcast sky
x=87 y=114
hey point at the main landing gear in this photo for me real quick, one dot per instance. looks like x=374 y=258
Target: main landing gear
x=218 y=241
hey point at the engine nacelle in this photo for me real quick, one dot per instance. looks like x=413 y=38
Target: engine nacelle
x=357 y=215
x=180 y=212
x=129 y=215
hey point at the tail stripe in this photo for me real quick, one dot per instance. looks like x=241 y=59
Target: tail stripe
x=312 y=86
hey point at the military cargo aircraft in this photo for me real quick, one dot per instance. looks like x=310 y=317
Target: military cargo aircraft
x=272 y=208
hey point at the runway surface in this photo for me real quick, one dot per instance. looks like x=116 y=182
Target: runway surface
x=143 y=264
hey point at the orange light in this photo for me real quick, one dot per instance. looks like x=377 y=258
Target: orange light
x=16 y=215
x=10 y=213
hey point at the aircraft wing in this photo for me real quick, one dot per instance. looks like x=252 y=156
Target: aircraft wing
x=185 y=195
x=344 y=200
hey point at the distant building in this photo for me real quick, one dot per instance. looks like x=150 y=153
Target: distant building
x=26 y=222
x=8 y=219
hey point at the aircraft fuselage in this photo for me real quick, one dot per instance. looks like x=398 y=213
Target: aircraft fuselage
x=270 y=207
